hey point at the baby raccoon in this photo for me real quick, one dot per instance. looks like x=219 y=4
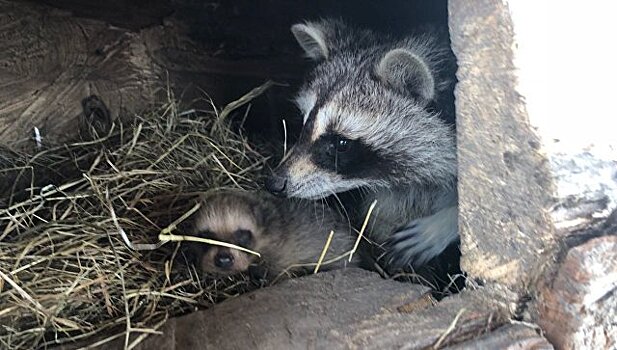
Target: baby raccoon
x=289 y=234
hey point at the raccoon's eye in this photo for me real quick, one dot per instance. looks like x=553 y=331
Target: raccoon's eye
x=243 y=237
x=342 y=144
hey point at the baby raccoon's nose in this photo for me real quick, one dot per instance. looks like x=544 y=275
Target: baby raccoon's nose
x=276 y=185
x=223 y=260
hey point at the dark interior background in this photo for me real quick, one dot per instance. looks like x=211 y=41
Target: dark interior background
x=243 y=43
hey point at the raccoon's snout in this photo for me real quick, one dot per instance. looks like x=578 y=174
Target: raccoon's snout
x=223 y=260
x=276 y=185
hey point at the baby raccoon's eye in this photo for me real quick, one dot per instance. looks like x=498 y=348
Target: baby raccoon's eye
x=244 y=238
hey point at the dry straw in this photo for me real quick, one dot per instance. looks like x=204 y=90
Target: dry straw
x=66 y=272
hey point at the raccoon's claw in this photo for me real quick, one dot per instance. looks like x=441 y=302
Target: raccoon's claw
x=422 y=240
x=408 y=248
x=401 y=238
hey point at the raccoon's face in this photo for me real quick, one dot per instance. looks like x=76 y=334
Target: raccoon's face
x=334 y=152
x=227 y=218
x=365 y=121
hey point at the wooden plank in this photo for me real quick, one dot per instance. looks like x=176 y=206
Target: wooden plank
x=536 y=187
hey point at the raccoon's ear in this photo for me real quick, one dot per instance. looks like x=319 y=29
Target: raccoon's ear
x=402 y=69
x=259 y=213
x=312 y=39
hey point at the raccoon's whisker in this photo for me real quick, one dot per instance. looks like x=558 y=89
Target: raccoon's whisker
x=342 y=207
x=286 y=152
x=324 y=205
x=315 y=209
x=317 y=203
x=284 y=139
x=366 y=190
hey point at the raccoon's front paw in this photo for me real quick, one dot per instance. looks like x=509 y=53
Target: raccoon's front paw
x=422 y=240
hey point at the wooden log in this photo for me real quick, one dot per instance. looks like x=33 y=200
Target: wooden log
x=50 y=61
x=538 y=172
x=578 y=305
x=508 y=337
x=504 y=181
x=351 y=309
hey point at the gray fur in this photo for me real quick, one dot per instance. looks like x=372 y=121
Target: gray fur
x=310 y=39
x=402 y=69
x=297 y=232
x=378 y=90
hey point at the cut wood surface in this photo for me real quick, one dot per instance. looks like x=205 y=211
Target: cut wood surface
x=50 y=61
x=512 y=337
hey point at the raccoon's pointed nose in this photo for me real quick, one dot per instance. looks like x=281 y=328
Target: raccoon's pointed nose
x=276 y=185
x=223 y=260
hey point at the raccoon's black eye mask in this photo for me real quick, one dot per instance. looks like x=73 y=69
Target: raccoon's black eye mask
x=338 y=144
x=348 y=157
x=243 y=238
x=206 y=234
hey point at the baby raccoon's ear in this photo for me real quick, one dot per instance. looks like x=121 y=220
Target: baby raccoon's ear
x=260 y=213
x=404 y=70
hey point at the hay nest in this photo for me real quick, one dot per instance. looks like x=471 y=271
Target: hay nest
x=71 y=216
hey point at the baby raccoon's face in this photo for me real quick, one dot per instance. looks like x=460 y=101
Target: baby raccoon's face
x=231 y=219
x=223 y=260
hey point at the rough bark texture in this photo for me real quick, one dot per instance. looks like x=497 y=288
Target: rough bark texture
x=512 y=337
x=530 y=198
x=504 y=185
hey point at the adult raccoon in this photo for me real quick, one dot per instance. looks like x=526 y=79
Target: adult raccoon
x=375 y=117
